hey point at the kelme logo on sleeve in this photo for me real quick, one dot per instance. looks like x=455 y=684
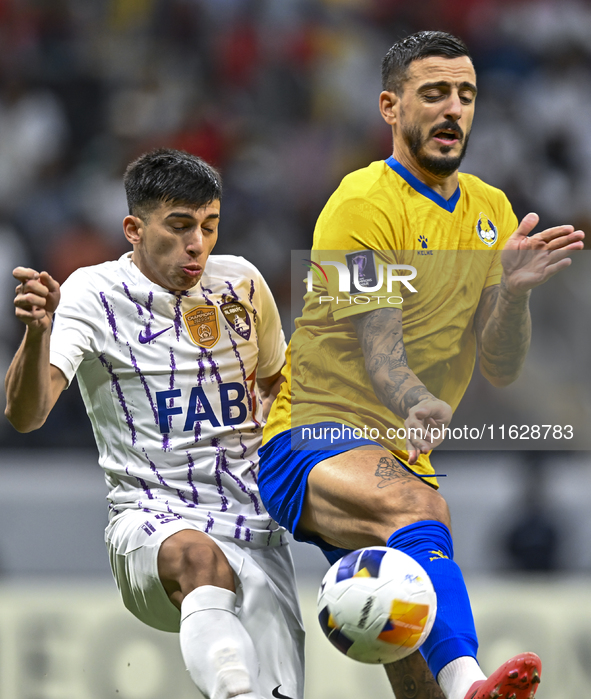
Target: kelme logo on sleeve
x=202 y=324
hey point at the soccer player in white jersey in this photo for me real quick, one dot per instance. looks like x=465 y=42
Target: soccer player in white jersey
x=175 y=351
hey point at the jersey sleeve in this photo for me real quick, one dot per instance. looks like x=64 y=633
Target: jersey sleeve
x=507 y=227
x=357 y=235
x=78 y=330
x=270 y=335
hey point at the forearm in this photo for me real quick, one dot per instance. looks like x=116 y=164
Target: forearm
x=269 y=389
x=29 y=396
x=395 y=384
x=505 y=338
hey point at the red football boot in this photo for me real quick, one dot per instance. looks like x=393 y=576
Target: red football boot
x=518 y=678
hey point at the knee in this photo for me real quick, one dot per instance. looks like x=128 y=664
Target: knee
x=188 y=560
x=432 y=505
x=416 y=503
x=201 y=564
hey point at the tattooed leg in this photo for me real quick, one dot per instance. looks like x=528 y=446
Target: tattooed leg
x=390 y=471
x=411 y=679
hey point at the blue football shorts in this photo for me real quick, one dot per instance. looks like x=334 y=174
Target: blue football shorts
x=285 y=462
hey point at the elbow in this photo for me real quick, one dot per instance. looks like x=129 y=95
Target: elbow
x=498 y=379
x=500 y=371
x=23 y=424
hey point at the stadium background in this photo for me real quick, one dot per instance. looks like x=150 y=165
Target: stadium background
x=282 y=96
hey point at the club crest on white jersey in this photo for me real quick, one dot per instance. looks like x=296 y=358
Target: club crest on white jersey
x=203 y=326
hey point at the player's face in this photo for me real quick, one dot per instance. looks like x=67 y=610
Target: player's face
x=434 y=114
x=172 y=244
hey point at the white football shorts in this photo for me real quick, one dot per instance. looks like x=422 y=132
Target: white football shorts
x=266 y=597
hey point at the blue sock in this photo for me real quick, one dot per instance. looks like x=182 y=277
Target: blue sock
x=453 y=634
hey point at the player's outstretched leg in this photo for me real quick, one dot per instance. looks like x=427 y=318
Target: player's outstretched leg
x=410 y=678
x=218 y=651
x=518 y=678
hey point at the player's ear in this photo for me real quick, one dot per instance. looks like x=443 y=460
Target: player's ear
x=389 y=106
x=132 y=229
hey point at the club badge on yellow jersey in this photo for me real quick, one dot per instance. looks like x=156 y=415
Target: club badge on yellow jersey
x=486 y=229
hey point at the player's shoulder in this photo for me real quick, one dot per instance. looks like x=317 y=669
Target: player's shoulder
x=366 y=183
x=475 y=187
x=235 y=266
x=99 y=275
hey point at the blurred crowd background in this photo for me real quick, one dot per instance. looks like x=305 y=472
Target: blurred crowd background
x=281 y=95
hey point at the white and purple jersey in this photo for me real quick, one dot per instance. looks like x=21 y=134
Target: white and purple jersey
x=169 y=384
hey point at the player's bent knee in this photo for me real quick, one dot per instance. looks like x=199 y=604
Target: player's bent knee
x=413 y=504
x=432 y=505
x=190 y=559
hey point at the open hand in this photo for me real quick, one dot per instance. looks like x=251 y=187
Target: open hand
x=529 y=261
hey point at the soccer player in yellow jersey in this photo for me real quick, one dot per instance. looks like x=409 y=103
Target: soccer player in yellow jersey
x=393 y=348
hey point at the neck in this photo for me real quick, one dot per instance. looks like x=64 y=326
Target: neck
x=443 y=185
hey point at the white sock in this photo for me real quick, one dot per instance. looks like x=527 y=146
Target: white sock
x=217 y=650
x=456 y=678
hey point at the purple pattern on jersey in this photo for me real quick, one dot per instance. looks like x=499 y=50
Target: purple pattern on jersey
x=194 y=490
x=253 y=472
x=201 y=365
x=140 y=310
x=166 y=437
x=213 y=367
x=155 y=471
x=198 y=424
x=250 y=298
x=179 y=492
x=215 y=442
x=231 y=288
x=178 y=320
x=110 y=314
x=210 y=523
x=172 y=369
x=145 y=488
x=252 y=468
x=144 y=384
x=221 y=458
x=247 y=533
x=117 y=386
x=206 y=298
x=149 y=303
x=239 y=358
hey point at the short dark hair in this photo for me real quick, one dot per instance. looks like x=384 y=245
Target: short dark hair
x=413 y=48
x=171 y=176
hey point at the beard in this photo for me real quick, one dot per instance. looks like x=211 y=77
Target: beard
x=442 y=166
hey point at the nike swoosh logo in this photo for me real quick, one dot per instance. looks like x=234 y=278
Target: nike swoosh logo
x=277 y=694
x=144 y=339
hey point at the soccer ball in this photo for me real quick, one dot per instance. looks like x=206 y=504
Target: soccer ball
x=376 y=605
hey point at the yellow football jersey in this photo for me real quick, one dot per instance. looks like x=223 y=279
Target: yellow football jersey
x=385 y=239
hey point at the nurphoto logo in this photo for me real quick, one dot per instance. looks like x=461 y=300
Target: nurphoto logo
x=360 y=275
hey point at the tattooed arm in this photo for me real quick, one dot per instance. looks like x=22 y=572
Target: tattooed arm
x=502 y=322
x=394 y=383
x=503 y=331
